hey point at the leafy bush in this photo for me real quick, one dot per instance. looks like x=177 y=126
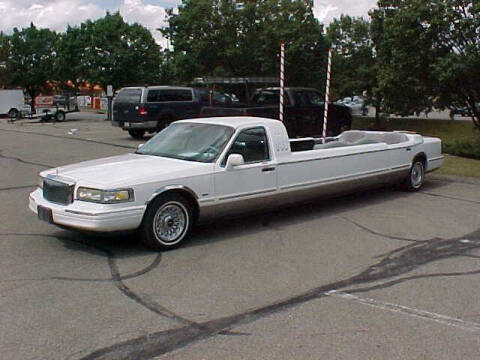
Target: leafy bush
x=469 y=149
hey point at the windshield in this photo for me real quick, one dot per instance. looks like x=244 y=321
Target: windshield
x=189 y=141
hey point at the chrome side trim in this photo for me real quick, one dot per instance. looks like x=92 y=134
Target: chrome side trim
x=204 y=201
x=437 y=158
x=172 y=187
x=247 y=194
x=406 y=166
x=300 y=192
x=330 y=180
x=78 y=212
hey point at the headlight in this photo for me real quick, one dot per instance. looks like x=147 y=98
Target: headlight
x=40 y=181
x=104 y=196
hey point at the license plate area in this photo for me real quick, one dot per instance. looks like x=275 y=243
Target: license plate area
x=45 y=214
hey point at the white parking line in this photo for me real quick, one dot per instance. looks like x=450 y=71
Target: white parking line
x=446 y=320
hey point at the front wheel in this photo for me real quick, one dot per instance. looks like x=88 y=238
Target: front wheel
x=13 y=113
x=167 y=221
x=416 y=176
x=60 y=116
x=136 y=134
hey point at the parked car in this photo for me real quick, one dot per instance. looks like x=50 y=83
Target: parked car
x=303 y=114
x=151 y=108
x=12 y=103
x=207 y=168
x=462 y=111
x=356 y=104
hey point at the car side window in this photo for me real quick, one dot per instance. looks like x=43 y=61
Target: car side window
x=152 y=96
x=269 y=97
x=315 y=98
x=175 y=95
x=164 y=95
x=301 y=98
x=252 y=144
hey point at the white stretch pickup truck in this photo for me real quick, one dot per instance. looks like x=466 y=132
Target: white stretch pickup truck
x=203 y=168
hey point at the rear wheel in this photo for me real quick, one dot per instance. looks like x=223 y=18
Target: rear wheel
x=13 y=113
x=167 y=222
x=136 y=134
x=416 y=176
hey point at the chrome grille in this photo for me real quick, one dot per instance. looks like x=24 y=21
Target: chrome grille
x=57 y=192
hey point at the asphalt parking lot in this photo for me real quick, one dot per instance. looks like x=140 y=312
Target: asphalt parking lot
x=383 y=274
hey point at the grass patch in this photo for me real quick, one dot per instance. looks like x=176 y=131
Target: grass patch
x=458 y=137
x=454 y=165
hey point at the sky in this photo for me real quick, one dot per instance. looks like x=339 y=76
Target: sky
x=57 y=14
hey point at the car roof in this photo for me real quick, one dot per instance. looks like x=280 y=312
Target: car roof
x=233 y=121
x=156 y=87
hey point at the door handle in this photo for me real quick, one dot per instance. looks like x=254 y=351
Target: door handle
x=267 y=169
x=409 y=149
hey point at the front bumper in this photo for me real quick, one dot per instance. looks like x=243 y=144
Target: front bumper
x=90 y=216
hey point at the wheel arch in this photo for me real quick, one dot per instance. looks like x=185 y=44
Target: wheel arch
x=423 y=157
x=165 y=118
x=182 y=190
x=13 y=109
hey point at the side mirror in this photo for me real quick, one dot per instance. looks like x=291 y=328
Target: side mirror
x=234 y=160
x=139 y=146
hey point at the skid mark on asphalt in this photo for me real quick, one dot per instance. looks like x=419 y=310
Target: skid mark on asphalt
x=24 y=161
x=363 y=227
x=116 y=278
x=408 y=311
x=70 y=138
x=394 y=263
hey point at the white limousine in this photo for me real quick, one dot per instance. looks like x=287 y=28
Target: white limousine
x=205 y=168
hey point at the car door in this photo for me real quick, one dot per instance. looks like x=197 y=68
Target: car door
x=180 y=102
x=251 y=185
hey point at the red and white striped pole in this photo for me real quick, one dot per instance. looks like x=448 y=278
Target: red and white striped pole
x=282 y=77
x=327 y=91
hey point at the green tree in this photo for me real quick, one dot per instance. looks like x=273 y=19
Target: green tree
x=428 y=54
x=354 y=61
x=4 y=50
x=228 y=38
x=70 y=64
x=120 y=54
x=31 y=58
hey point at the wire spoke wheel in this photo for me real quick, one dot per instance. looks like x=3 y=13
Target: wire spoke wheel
x=170 y=223
x=416 y=175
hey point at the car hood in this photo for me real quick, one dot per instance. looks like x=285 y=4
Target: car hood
x=128 y=170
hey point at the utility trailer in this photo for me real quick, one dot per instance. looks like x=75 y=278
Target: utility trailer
x=51 y=108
